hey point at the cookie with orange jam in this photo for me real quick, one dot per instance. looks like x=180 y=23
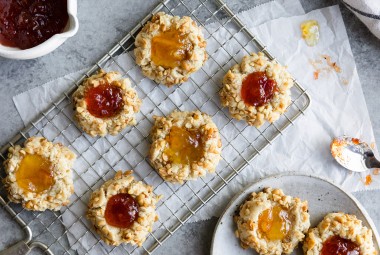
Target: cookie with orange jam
x=185 y=146
x=271 y=222
x=256 y=90
x=339 y=233
x=39 y=174
x=169 y=49
x=105 y=104
x=123 y=210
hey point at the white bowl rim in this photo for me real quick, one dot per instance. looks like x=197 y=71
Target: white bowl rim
x=49 y=45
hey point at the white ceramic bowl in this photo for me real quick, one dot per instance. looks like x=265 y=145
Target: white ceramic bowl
x=49 y=45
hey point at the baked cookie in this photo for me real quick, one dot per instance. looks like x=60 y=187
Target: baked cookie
x=339 y=233
x=39 y=174
x=257 y=90
x=122 y=210
x=185 y=146
x=271 y=222
x=105 y=103
x=169 y=49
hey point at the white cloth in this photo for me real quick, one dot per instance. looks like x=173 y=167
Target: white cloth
x=368 y=11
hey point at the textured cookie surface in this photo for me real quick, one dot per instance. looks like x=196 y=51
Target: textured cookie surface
x=345 y=226
x=146 y=199
x=231 y=93
x=209 y=142
x=249 y=225
x=101 y=126
x=193 y=49
x=60 y=159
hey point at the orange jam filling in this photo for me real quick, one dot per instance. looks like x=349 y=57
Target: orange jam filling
x=339 y=246
x=170 y=48
x=34 y=173
x=104 y=101
x=122 y=210
x=257 y=89
x=274 y=223
x=184 y=146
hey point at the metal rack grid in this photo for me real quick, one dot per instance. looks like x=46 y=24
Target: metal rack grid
x=54 y=234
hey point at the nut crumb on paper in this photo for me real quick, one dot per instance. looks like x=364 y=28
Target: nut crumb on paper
x=368 y=180
x=376 y=171
x=373 y=144
x=325 y=65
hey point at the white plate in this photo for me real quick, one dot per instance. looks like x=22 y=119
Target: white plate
x=323 y=197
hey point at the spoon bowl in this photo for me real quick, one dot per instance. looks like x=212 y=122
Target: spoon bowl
x=353 y=154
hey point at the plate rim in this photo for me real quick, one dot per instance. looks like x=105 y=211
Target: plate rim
x=297 y=173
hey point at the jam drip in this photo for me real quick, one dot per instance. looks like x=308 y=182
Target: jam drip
x=339 y=246
x=274 y=223
x=184 y=146
x=104 y=101
x=169 y=48
x=28 y=23
x=122 y=211
x=34 y=173
x=257 y=89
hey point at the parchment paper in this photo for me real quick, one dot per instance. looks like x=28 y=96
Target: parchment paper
x=336 y=109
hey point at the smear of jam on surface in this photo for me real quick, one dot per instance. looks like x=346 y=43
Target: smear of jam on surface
x=184 y=146
x=104 y=101
x=257 y=89
x=310 y=32
x=274 y=223
x=34 y=173
x=28 y=23
x=339 y=246
x=169 y=48
x=122 y=211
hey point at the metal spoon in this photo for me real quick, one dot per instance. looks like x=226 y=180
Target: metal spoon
x=353 y=154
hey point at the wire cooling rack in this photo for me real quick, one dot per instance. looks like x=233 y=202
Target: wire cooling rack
x=68 y=231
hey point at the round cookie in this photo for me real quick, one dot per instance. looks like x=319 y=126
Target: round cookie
x=169 y=49
x=105 y=103
x=123 y=193
x=185 y=146
x=256 y=90
x=39 y=174
x=271 y=222
x=335 y=228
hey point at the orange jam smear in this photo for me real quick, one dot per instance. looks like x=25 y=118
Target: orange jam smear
x=185 y=146
x=274 y=223
x=35 y=173
x=122 y=210
x=104 y=101
x=170 y=48
x=339 y=246
x=257 y=89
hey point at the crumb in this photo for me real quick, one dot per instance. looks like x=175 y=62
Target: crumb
x=316 y=75
x=376 y=171
x=368 y=180
x=332 y=64
x=372 y=145
x=345 y=82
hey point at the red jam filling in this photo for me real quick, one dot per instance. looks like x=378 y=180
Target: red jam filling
x=122 y=211
x=257 y=89
x=339 y=246
x=28 y=23
x=104 y=101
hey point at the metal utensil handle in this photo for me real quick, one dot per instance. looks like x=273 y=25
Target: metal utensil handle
x=20 y=248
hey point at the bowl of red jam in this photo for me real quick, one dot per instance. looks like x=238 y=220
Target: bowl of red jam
x=33 y=28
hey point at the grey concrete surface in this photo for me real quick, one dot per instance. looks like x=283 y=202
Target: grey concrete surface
x=102 y=23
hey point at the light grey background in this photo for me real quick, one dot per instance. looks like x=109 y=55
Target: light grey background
x=102 y=23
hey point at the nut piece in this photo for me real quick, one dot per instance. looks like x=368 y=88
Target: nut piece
x=61 y=160
x=230 y=94
x=95 y=126
x=209 y=136
x=142 y=193
x=196 y=54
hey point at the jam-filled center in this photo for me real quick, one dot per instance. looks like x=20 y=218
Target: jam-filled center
x=28 y=23
x=170 y=48
x=122 y=210
x=339 y=246
x=257 y=89
x=104 y=101
x=184 y=146
x=34 y=173
x=274 y=223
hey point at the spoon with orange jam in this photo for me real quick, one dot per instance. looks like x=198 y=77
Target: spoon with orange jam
x=353 y=154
